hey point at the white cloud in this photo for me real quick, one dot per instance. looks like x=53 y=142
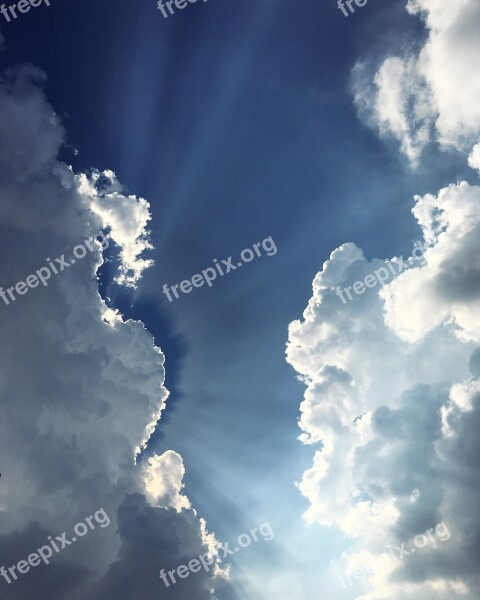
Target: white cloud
x=393 y=376
x=393 y=397
x=163 y=480
x=434 y=89
x=474 y=158
x=126 y=217
x=402 y=105
x=447 y=288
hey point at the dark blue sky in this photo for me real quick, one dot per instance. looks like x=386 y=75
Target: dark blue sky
x=235 y=121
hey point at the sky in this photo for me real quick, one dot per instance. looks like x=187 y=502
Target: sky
x=328 y=394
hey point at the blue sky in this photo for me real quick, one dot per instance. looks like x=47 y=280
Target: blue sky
x=237 y=121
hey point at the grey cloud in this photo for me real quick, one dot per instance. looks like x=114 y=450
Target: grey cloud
x=154 y=538
x=80 y=389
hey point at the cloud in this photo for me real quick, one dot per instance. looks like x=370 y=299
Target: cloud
x=163 y=480
x=80 y=388
x=393 y=377
x=429 y=95
x=474 y=158
x=126 y=218
x=392 y=401
x=447 y=288
x=143 y=530
x=399 y=104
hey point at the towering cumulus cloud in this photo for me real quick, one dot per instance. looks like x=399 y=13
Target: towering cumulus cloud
x=393 y=376
x=80 y=388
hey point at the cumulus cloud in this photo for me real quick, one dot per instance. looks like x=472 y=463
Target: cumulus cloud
x=143 y=530
x=392 y=398
x=474 y=158
x=126 y=218
x=80 y=388
x=429 y=95
x=163 y=480
x=392 y=402
x=447 y=288
x=400 y=104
